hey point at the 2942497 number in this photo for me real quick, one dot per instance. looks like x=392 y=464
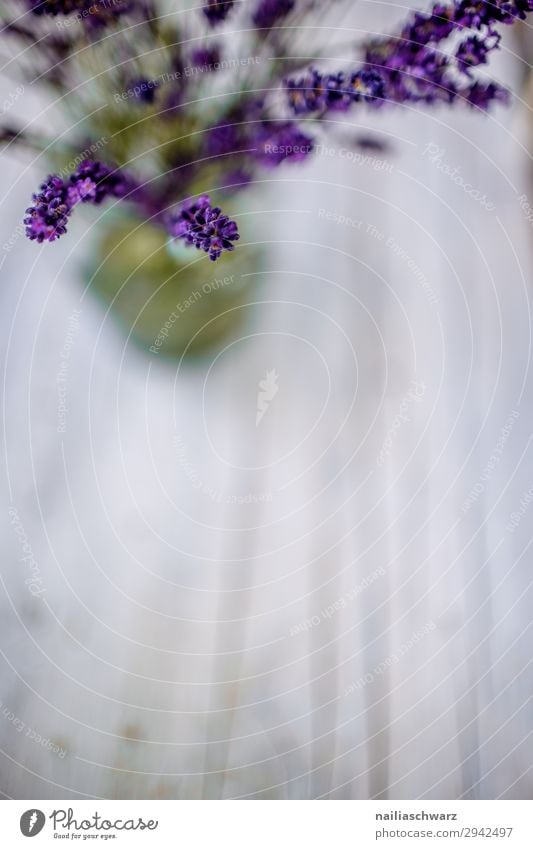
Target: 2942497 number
x=473 y=831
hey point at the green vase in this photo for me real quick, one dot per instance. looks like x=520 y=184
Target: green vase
x=169 y=298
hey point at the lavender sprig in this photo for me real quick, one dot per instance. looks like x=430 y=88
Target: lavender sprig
x=320 y=92
x=47 y=218
x=95 y=13
x=409 y=68
x=414 y=71
x=270 y=12
x=204 y=226
x=217 y=11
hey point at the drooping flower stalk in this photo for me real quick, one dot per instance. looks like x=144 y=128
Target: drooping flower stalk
x=415 y=70
x=410 y=68
x=92 y=182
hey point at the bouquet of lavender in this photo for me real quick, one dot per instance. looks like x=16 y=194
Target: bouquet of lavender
x=173 y=110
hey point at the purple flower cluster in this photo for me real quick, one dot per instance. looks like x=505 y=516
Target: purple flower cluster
x=144 y=89
x=228 y=137
x=233 y=136
x=263 y=142
x=482 y=95
x=443 y=19
x=217 y=11
x=91 y=182
x=206 y=57
x=408 y=67
x=47 y=219
x=278 y=142
x=95 y=13
x=57 y=7
x=270 y=12
x=474 y=51
x=413 y=70
x=320 y=92
x=204 y=226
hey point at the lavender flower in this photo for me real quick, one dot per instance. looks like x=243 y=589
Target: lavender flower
x=225 y=138
x=234 y=181
x=270 y=12
x=144 y=89
x=57 y=7
x=481 y=95
x=217 y=11
x=474 y=51
x=306 y=94
x=46 y=219
x=444 y=19
x=320 y=92
x=91 y=182
x=95 y=13
x=432 y=27
x=206 y=57
x=414 y=71
x=523 y=8
x=205 y=227
x=366 y=85
x=278 y=142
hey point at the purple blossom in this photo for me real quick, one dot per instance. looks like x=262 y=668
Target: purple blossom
x=277 y=142
x=57 y=7
x=523 y=8
x=475 y=15
x=481 y=95
x=217 y=11
x=100 y=13
x=414 y=71
x=47 y=218
x=443 y=19
x=320 y=92
x=409 y=67
x=232 y=134
x=225 y=138
x=474 y=51
x=206 y=57
x=204 y=226
x=234 y=181
x=91 y=182
x=94 y=182
x=95 y=13
x=270 y=12
x=144 y=89
x=306 y=94
x=334 y=92
x=432 y=27
x=366 y=85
